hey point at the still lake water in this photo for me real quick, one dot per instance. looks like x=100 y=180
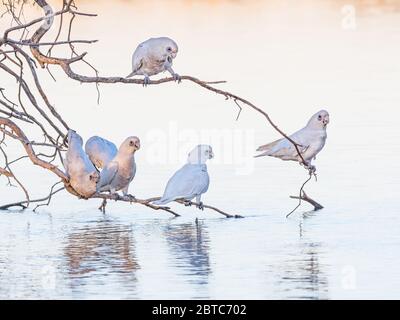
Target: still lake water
x=289 y=57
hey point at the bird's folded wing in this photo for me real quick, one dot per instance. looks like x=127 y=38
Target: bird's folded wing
x=268 y=146
x=108 y=174
x=136 y=67
x=65 y=164
x=74 y=161
x=186 y=182
x=137 y=59
x=284 y=148
x=100 y=151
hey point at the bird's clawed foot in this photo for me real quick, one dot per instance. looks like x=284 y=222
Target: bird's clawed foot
x=312 y=170
x=200 y=206
x=146 y=81
x=177 y=77
x=116 y=196
x=187 y=203
x=131 y=198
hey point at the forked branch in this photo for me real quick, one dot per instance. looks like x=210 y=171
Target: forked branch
x=14 y=56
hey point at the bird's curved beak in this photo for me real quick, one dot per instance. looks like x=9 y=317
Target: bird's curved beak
x=211 y=155
x=325 y=121
x=137 y=145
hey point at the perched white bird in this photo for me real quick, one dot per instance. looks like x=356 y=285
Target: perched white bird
x=100 y=151
x=81 y=171
x=311 y=139
x=153 y=56
x=192 y=180
x=120 y=171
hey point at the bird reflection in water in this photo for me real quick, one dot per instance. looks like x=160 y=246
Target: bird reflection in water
x=303 y=275
x=101 y=247
x=189 y=245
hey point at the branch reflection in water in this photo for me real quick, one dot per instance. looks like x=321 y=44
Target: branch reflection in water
x=303 y=276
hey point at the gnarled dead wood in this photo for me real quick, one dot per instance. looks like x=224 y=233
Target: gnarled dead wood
x=66 y=66
x=130 y=199
x=303 y=196
x=317 y=206
x=26 y=143
x=17 y=56
x=206 y=206
x=24 y=204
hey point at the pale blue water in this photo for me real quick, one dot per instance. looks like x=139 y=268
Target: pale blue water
x=294 y=58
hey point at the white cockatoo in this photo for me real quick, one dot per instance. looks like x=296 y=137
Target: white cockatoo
x=311 y=139
x=82 y=174
x=100 y=151
x=190 y=181
x=120 y=171
x=154 y=56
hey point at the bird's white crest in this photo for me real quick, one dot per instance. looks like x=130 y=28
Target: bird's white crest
x=130 y=145
x=200 y=154
x=319 y=120
x=163 y=46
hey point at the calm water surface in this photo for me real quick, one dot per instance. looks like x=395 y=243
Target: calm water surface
x=289 y=57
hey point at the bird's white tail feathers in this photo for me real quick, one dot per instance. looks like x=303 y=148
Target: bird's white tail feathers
x=131 y=74
x=262 y=154
x=161 y=202
x=267 y=148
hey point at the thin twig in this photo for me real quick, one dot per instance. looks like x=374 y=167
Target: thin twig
x=303 y=196
x=190 y=203
x=317 y=206
x=44 y=60
x=24 y=204
x=56 y=43
x=65 y=64
x=130 y=199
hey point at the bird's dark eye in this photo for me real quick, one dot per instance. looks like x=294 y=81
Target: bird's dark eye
x=131 y=143
x=319 y=117
x=169 y=49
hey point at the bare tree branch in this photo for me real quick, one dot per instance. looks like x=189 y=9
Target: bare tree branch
x=303 y=196
x=191 y=203
x=25 y=204
x=317 y=206
x=23 y=55
x=26 y=143
x=6 y=173
x=66 y=66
